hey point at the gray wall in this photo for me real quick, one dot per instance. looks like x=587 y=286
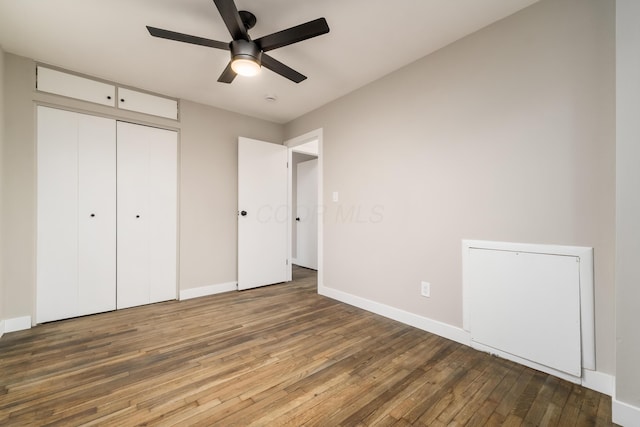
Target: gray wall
x=507 y=135
x=628 y=203
x=208 y=176
x=19 y=200
x=209 y=190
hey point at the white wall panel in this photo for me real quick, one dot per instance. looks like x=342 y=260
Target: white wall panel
x=531 y=303
x=527 y=305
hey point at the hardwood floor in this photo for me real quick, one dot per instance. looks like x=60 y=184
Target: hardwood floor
x=279 y=355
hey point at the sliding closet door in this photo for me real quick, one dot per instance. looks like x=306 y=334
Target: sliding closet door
x=147 y=214
x=76 y=215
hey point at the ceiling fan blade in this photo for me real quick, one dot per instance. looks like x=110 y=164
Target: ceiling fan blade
x=231 y=17
x=227 y=75
x=292 y=35
x=186 y=38
x=278 y=67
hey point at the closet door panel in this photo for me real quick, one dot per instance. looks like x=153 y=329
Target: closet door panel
x=147 y=165
x=133 y=245
x=96 y=214
x=75 y=252
x=163 y=214
x=57 y=216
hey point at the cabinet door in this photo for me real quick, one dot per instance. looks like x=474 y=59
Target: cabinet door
x=73 y=86
x=146 y=103
x=75 y=264
x=147 y=214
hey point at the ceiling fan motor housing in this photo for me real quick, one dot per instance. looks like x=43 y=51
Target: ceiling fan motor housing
x=243 y=49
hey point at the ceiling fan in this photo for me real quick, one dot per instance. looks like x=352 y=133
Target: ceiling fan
x=247 y=56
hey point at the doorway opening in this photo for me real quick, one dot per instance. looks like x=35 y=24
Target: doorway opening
x=305 y=202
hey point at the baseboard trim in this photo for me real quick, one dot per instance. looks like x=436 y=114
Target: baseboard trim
x=594 y=380
x=598 y=381
x=625 y=414
x=435 y=327
x=204 y=291
x=17 y=324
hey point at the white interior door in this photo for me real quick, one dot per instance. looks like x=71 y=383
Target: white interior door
x=147 y=214
x=262 y=213
x=307 y=214
x=76 y=263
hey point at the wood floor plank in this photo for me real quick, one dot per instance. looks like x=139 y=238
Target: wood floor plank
x=540 y=404
x=478 y=407
x=509 y=401
x=280 y=355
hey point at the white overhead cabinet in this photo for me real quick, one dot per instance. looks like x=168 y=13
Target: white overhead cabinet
x=76 y=259
x=96 y=207
x=147 y=214
x=141 y=102
x=86 y=89
x=72 y=86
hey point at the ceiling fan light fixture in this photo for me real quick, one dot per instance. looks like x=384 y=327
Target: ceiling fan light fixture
x=245 y=66
x=245 y=58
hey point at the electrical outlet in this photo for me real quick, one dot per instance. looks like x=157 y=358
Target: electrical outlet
x=425 y=289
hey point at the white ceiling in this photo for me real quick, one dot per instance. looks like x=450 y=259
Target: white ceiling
x=368 y=39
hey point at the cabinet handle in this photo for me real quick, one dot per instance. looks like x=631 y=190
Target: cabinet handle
x=108 y=96
x=92 y=215
x=137 y=216
x=243 y=213
x=121 y=99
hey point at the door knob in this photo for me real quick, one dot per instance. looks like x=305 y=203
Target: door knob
x=243 y=213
